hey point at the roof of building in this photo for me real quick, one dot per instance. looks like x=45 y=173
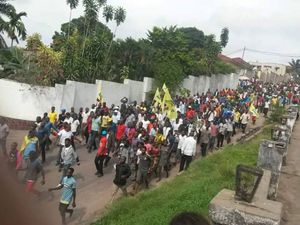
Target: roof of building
x=239 y=62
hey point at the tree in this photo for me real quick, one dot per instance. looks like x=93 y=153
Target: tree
x=5 y=9
x=73 y=5
x=108 y=13
x=34 y=42
x=295 y=68
x=224 y=37
x=15 y=27
x=195 y=37
x=119 y=17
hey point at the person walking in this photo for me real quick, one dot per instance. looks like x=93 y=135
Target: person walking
x=101 y=154
x=4 y=131
x=123 y=172
x=188 y=151
x=68 y=186
x=204 y=140
x=68 y=157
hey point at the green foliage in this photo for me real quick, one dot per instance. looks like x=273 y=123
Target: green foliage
x=191 y=191
x=224 y=37
x=168 y=71
x=13 y=27
x=276 y=113
x=34 y=42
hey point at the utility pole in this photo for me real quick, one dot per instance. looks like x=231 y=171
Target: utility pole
x=244 y=49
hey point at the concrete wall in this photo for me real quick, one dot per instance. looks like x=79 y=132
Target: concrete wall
x=22 y=101
x=25 y=102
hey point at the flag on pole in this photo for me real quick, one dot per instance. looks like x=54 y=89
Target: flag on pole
x=157 y=98
x=100 y=96
x=168 y=105
x=164 y=88
x=253 y=110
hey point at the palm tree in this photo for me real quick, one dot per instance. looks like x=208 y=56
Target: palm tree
x=108 y=13
x=295 y=67
x=5 y=8
x=73 y=5
x=119 y=17
x=15 y=27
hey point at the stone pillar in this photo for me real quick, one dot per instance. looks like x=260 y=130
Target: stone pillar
x=270 y=157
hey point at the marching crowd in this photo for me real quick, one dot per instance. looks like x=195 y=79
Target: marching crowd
x=141 y=139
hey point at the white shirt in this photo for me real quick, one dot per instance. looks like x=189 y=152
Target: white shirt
x=245 y=118
x=69 y=121
x=116 y=118
x=63 y=135
x=68 y=155
x=74 y=125
x=85 y=116
x=4 y=130
x=189 y=146
x=145 y=124
x=181 y=140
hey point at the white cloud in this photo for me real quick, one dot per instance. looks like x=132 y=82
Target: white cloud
x=269 y=25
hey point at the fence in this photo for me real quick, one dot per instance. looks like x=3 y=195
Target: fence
x=25 y=102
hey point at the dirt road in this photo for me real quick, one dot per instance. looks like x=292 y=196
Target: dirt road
x=93 y=193
x=289 y=184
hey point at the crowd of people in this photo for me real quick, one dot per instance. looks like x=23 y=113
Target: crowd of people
x=140 y=140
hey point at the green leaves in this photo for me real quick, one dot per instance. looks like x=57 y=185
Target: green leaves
x=108 y=13
x=120 y=15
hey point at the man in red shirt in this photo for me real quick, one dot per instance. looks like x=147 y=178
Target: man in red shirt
x=101 y=154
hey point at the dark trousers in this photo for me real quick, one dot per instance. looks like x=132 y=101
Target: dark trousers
x=244 y=128
x=220 y=140
x=203 y=149
x=3 y=146
x=99 y=159
x=58 y=160
x=43 y=151
x=92 y=140
x=185 y=162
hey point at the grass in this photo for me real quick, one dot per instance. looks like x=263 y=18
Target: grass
x=191 y=191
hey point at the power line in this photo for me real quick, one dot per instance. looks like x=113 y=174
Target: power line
x=264 y=53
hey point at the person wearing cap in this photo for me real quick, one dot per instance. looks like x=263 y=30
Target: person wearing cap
x=116 y=116
x=101 y=154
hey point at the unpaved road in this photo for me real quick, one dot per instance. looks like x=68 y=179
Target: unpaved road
x=289 y=185
x=93 y=193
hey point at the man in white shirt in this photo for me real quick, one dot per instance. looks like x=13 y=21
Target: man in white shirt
x=188 y=150
x=68 y=156
x=4 y=131
x=85 y=116
x=245 y=117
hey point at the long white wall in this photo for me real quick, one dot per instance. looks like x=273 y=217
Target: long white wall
x=23 y=101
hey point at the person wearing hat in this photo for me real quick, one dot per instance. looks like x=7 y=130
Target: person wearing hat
x=101 y=154
x=116 y=116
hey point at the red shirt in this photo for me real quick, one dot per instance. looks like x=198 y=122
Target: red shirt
x=89 y=124
x=120 y=131
x=102 y=150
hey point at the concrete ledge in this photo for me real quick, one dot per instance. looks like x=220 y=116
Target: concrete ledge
x=224 y=209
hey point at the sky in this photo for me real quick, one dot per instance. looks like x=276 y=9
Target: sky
x=264 y=25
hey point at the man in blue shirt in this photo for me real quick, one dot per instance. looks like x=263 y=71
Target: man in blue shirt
x=68 y=186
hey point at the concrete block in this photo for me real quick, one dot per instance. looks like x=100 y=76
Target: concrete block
x=224 y=209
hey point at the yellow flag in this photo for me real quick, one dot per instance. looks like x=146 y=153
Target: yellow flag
x=253 y=110
x=100 y=96
x=172 y=113
x=167 y=101
x=157 y=98
x=164 y=88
